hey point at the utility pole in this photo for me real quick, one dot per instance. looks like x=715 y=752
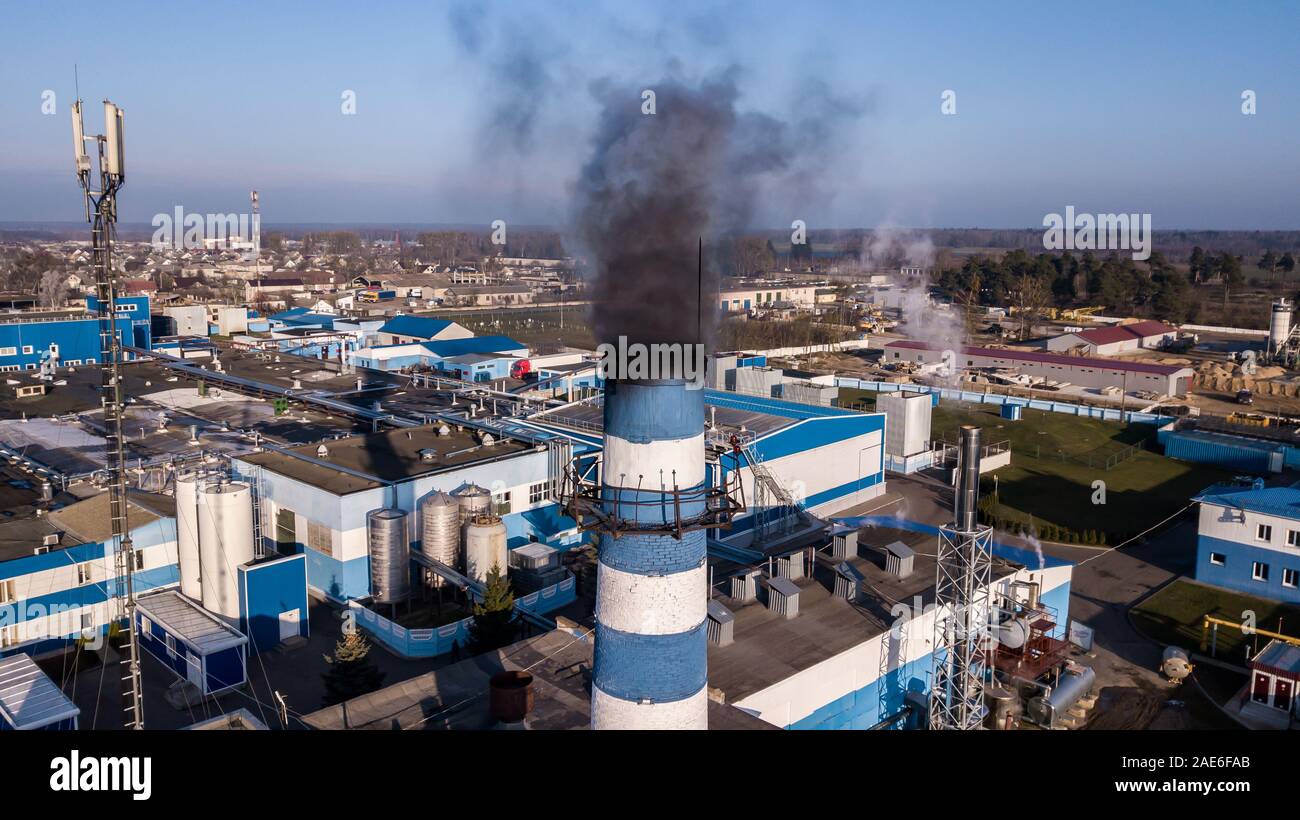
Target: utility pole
x=101 y=212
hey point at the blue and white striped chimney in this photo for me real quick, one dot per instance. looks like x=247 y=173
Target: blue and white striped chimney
x=651 y=644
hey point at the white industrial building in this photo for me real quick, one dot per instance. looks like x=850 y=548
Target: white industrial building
x=1116 y=339
x=907 y=430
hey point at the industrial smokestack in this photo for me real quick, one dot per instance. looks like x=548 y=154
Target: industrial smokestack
x=651 y=651
x=968 y=480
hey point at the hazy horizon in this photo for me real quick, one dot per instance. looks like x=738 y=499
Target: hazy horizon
x=470 y=113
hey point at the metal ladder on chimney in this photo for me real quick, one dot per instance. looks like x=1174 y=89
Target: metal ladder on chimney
x=255 y=491
x=770 y=519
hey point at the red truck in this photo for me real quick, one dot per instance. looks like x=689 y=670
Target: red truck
x=521 y=369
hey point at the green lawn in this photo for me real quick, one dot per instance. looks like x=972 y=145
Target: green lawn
x=1173 y=616
x=1055 y=459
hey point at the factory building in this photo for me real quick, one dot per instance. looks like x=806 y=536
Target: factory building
x=1116 y=339
x=436 y=354
x=316 y=499
x=57 y=572
x=740 y=295
x=857 y=651
x=412 y=329
x=1076 y=370
x=68 y=338
x=1248 y=540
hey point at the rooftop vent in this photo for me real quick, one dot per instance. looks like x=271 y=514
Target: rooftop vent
x=51 y=539
x=428 y=454
x=848 y=582
x=790 y=566
x=487 y=440
x=722 y=624
x=783 y=597
x=322 y=451
x=844 y=542
x=444 y=430
x=744 y=587
x=898 y=559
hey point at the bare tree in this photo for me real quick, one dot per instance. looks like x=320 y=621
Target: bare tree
x=52 y=289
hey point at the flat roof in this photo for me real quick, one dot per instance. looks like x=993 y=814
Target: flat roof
x=375 y=460
x=768 y=648
x=1050 y=358
x=28 y=698
x=187 y=620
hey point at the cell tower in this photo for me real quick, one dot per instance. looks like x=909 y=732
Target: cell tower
x=101 y=212
x=963 y=575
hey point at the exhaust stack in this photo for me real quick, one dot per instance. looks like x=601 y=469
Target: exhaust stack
x=966 y=498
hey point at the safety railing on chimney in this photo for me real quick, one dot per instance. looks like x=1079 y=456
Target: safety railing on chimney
x=646 y=510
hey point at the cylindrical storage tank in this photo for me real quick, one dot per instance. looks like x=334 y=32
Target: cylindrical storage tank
x=1175 y=664
x=485 y=546
x=1003 y=707
x=440 y=528
x=474 y=501
x=1073 y=687
x=1013 y=633
x=510 y=696
x=225 y=542
x=187 y=533
x=390 y=556
x=1280 y=325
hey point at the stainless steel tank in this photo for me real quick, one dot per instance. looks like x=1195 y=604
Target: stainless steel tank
x=390 y=556
x=474 y=501
x=440 y=528
x=1074 y=686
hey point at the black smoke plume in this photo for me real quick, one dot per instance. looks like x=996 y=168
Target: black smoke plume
x=652 y=187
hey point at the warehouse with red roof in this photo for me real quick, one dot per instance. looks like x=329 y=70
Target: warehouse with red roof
x=1115 y=339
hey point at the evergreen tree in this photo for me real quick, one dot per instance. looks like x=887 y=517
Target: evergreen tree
x=352 y=673
x=494 y=617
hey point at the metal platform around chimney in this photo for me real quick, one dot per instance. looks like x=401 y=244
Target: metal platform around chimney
x=593 y=505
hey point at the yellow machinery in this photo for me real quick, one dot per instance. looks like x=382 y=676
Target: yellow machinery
x=1211 y=621
x=1251 y=419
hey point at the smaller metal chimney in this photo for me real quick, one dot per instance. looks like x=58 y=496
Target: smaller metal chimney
x=966 y=497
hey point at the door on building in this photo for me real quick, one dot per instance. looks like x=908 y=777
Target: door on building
x=194 y=671
x=289 y=622
x=1282 y=694
x=286 y=537
x=1259 y=691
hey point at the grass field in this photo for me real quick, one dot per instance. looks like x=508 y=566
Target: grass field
x=1173 y=616
x=1055 y=459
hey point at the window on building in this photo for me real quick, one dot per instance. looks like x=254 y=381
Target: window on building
x=8 y=636
x=1263 y=532
x=537 y=492
x=27 y=349
x=1218 y=559
x=83 y=574
x=146 y=625
x=1290 y=578
x=8 y=351
x=1293 y=538
x=137 y=555
x=501 y=503
x=320 y=538
x=7 y=592
x=87 y=621
x=1259 y=571
x=171 y=646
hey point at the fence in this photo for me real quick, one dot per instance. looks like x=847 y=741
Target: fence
x=1048 y=405
x=429 y=643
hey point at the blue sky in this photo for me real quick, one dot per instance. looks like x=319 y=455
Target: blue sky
x=1109 y=107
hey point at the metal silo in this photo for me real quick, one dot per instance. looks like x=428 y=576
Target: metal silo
x=187 y=532
x=390 y=556
x=1279 y=327
x=474 y=501
x=225 y=512
x=485 y=546
x=440 y=528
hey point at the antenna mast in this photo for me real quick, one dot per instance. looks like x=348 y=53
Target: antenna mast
x=101 y=212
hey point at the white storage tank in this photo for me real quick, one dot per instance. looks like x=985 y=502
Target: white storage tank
x=440 y=529
x=1279 y=326
x=187 y=532
x=390 y=556
x=225 y=542
x=907 y=422
x=474 y=501
x=485 y=545
x=1175 y=663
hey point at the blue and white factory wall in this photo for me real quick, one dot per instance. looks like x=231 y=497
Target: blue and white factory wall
x=61 y=595
x=845 y=691
x=340 y=570
x=830 y=464
x=273 y=601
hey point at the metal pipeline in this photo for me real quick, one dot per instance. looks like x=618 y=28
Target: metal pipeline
x=968 y=480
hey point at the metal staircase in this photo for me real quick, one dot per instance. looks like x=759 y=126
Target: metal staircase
x=776 y=512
